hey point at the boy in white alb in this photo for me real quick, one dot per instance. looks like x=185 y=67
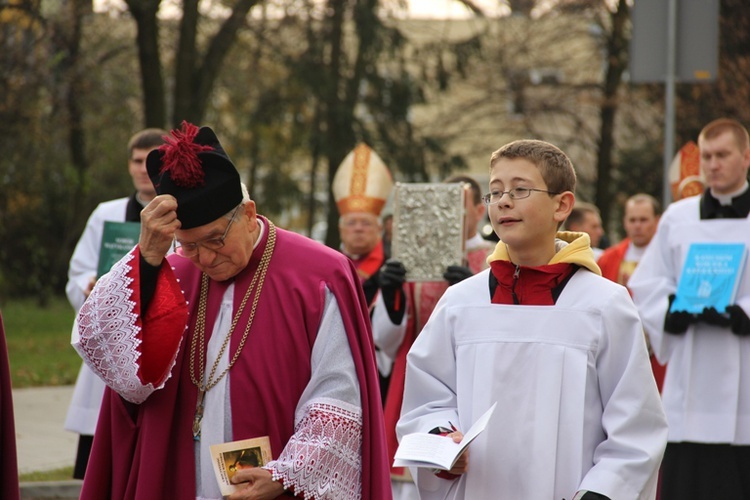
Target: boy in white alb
x=558 y=347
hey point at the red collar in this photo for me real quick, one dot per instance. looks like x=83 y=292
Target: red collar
x=370 y=263
x=523 y=285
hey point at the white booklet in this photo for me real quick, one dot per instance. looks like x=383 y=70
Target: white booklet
x=422 y=449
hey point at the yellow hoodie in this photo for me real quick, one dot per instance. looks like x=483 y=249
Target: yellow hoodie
x=572 y=248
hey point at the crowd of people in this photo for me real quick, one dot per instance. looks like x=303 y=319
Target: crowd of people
x=219 y=327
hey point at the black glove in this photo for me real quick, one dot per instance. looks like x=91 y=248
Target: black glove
x=392 y=274
x=590 y=495
x=738 y=321
x=677 y=322
x=713 y=317
x=454 y=274
x=391 y=278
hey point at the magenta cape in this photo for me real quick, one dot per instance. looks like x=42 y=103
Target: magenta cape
x=8 y=457
x=146 y=451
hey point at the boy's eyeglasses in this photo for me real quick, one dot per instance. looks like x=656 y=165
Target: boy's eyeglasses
x=518 y=193
x=190 y=250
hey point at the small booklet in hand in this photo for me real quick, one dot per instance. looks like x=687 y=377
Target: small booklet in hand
x=710 y=277
x=422 y=449
x=228 y=458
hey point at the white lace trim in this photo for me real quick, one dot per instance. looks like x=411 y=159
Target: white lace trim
x=323 y=459
x=107 y=332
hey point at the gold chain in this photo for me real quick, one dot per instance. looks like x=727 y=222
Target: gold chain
x=200 y=329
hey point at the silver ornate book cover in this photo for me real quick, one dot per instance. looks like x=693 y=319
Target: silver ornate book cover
x=428 y=228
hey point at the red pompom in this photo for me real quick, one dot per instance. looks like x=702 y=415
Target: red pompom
x=180 y=157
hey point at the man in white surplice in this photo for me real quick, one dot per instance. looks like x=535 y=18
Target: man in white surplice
x=707 y=385
x=558 y=347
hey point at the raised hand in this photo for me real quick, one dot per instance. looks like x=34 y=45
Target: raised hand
x=158 y=224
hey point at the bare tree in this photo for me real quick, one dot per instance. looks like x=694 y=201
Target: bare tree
x=551 y=71
x=328 y=75
x=197 y=62
x=616 y=60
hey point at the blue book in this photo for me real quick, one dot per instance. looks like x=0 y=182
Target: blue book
x=710 y=277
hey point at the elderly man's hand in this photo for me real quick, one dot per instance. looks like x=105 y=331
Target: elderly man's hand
x=158 y=224
x=256 y=484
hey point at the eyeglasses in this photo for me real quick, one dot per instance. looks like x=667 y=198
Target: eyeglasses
x=518 y=193
x=190 y=250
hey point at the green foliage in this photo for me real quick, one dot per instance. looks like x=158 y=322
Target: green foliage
x=67 y=110
x=47 y=191
x=39 y=343
x=287 y=114
x=275 y=108
x=33 y=215
x=639 y=170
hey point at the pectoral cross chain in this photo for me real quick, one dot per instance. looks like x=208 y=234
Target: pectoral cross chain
x=198 y=415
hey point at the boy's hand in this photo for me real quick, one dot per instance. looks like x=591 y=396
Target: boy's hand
x=462 y=464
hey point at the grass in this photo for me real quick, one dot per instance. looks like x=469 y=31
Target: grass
x=39 y=343
x=40 y=354
x=64 y=474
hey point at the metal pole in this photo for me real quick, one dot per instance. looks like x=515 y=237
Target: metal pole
x=669 y=83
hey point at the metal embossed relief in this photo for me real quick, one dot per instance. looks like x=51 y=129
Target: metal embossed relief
x=428 y=228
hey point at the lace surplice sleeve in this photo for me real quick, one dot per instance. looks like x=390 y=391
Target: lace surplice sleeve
x=132 y=353
x=323 y=457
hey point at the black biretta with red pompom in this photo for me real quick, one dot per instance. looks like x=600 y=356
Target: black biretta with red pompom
x=194 y=168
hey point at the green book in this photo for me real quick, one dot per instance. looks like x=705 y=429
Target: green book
x=118 y=238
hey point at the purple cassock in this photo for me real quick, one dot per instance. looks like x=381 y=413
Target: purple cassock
x=146 y=450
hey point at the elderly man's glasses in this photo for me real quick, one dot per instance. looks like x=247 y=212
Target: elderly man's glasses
x=518 y=193
x=190 y=250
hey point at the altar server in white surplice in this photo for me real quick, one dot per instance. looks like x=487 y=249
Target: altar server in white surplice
x=558 y=347
x=707 y=386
